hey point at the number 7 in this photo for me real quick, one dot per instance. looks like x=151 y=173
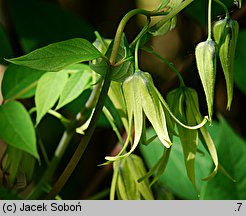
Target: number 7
x=239 y=206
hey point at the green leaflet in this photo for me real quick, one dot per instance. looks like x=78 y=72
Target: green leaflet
x=125 y=66
x=79 y=80
x=225 y=34
x=57 y=56
x=17 y=130
x=206 y=64
x=49 y=88
x=20 y=82
x=125 y=180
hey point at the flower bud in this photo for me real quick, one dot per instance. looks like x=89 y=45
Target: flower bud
x=206 y=64
x=225 y=35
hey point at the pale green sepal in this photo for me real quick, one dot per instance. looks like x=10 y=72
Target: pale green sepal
x=116 y=167
x=199 y=125
x=134 y=111
x=162 y=165
x=205 y=136
x=153 y=108
x=125 y=180
x=180 y=105
x=116 y=96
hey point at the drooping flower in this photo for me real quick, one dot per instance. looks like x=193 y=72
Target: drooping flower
x=142 y=99
x=184 y=104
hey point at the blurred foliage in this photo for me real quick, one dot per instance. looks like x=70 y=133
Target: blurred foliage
x=240 y=63
x=197 y=12
x=231 y=150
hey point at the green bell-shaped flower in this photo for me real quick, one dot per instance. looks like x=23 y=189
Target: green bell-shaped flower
x=142 y=99
x=184 y=104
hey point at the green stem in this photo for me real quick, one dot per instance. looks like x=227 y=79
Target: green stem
x=209 y=20
x=170 y=65
x=68 y=134
x=134 y=12
x=63 y=144
x=104 y=45
x=120 y=30
x=141 y=33
x=85 y=140
x=90 y=104
x=113 y=125
x=42 y=149
x=64 y=120
x=136 y=55
x=224 y=7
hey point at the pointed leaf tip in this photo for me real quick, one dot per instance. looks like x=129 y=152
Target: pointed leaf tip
x=57 y=56
x=17 y=130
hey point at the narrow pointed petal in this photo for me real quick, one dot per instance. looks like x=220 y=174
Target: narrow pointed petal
x=181 y=106
x=205 y=136
x=153 y=109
